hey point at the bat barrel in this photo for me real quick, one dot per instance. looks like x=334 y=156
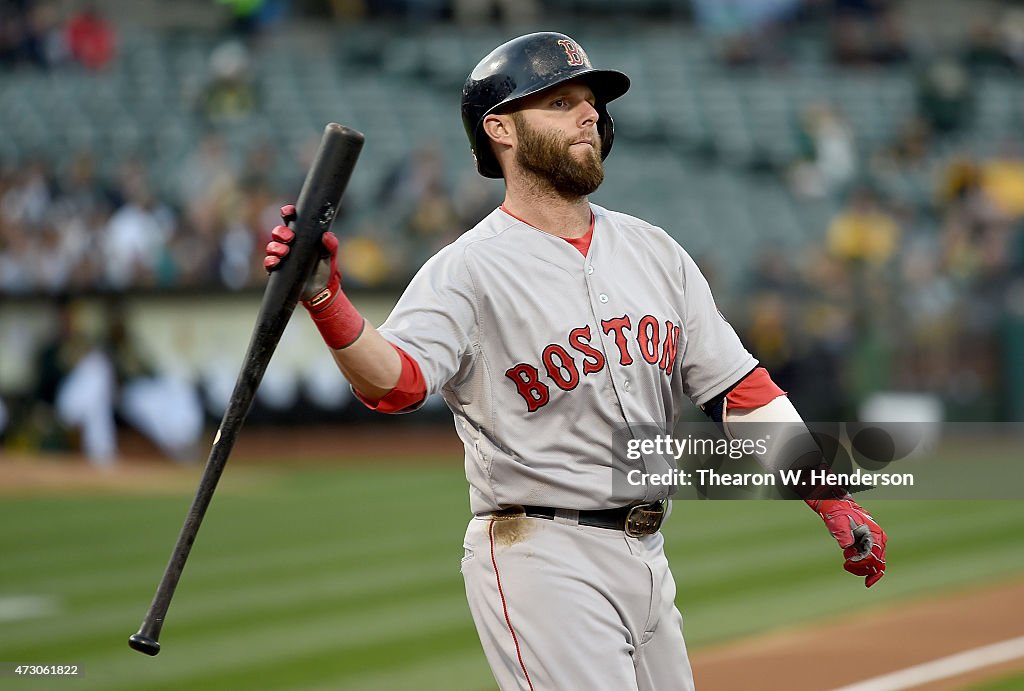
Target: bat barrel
x=316 y=210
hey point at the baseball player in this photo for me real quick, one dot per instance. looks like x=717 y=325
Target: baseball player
x=548 y=327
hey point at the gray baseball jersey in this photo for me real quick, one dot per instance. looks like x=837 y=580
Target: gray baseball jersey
x=542 y=353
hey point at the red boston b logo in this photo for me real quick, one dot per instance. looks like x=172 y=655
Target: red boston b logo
x=573 y=53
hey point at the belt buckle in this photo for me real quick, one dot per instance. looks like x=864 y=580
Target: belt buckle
x=645 y=519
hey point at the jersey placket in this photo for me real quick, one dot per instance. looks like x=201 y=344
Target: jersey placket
x=602 y=300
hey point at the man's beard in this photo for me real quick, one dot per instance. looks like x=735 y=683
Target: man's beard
x=547 y=156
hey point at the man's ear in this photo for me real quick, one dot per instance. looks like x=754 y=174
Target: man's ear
x=499 y=128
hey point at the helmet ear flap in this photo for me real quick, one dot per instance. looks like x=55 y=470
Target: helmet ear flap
x=483 y=154
x=606 y=128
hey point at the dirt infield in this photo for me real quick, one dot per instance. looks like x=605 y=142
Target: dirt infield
x=347 y=443
x=140 y=469
x=851 y=649
x=62 y=475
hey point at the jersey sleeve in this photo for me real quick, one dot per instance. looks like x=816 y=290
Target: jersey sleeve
x=713 y=358
x=435 y=319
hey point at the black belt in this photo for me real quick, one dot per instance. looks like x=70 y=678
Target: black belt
x=636 y=521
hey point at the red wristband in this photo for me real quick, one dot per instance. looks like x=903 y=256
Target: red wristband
x=339 y=322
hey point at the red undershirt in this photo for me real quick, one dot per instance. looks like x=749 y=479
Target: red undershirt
x=756 y=389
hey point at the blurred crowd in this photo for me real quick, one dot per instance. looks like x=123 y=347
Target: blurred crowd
x=66 y=229
x=896 y=297
x=39 y=34
x=70 y=231
x=917 y=286
x=78 y=223
x=860 y=33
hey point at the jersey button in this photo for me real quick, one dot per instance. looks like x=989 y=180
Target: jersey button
x=590 y=269
x=626 y=385
x=602 y=297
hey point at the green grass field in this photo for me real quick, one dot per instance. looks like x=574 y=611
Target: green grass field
x=348 y=578
x=1011 y=683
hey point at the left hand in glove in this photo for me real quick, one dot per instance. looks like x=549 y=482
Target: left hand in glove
x=862 y=540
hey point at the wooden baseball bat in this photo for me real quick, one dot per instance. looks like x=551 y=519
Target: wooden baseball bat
x=315 y=211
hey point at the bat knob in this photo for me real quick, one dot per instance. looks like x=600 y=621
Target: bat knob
x=143 y=644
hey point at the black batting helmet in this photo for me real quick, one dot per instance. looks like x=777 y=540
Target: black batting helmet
x=522 y=67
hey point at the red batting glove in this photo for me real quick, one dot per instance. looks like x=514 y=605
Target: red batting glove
x=335 y=316
x=862 y=540
x=280 y=246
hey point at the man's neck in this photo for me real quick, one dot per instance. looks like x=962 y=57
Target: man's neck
x=548 y=211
